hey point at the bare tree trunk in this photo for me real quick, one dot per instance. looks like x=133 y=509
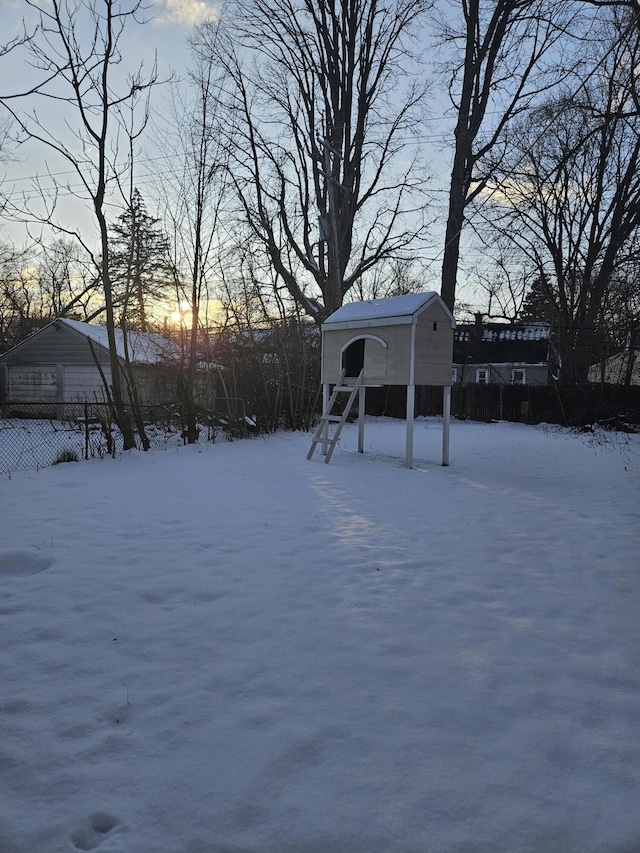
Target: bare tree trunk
x=194 y=190
x=631 y=356
x=504 y=43
x=455 y=221
x=121 y=414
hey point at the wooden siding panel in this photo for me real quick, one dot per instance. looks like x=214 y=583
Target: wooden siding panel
x=433 y=351
x=331 y=343
x=393 y=369
x=434 y=347
x=375 y=360
x=399 y=357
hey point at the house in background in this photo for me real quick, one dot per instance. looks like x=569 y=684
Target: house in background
x=59 y=364
x=485 y=353
x=614 y=370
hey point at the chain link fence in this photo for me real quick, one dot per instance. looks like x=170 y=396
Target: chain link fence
x=37 y=435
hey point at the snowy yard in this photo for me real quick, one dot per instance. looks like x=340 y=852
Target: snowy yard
x=229 y=649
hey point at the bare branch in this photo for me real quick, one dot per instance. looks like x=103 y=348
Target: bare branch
x=315 y=143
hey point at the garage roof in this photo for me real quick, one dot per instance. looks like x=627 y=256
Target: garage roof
x=144 y=347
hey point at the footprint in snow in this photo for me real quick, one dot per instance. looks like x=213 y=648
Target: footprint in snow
x=22 y=563
x=94 y=831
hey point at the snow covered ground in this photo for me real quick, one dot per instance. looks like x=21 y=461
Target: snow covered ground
x=226 y=648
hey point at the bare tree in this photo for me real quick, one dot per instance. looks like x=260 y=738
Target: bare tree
x=66 y=279
x=6 y=48
x=75 y=53
x=41 y=282
x=503 y=46
x=319 y=154
x=391 y=277
x=632 y=6
x=502 y=280
x=16 y=298
x=569 y=195
x=193 y=188
x=267 y=348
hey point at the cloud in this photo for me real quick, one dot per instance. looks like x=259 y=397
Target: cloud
x=186 y=12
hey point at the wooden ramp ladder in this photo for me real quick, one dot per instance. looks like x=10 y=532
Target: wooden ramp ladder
x=321 y=435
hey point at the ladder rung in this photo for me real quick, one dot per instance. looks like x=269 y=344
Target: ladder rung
x=326 y=418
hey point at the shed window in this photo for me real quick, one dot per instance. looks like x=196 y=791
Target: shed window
x=482 y=376
x=454 y=375
x=519 y=376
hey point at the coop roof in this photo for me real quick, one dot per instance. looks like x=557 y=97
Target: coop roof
x=396 y=310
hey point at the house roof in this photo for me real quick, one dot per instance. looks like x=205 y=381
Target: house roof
x=616 y=357
x=500 y=343
x=615 y=368
x=394 y=310
x=144 y=347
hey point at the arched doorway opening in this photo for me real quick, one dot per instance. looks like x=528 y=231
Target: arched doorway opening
x=353 y=357
x=368 y=352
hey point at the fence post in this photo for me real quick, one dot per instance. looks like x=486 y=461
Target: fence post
x=86 y=430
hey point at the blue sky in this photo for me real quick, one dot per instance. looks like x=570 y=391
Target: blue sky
x=164 y=36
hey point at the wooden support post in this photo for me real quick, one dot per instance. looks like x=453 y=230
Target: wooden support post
x=361 y=411
x=446 y=421
x=411 y=402
x=325 y=405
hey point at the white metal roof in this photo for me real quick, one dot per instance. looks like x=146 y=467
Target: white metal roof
x=391 y=311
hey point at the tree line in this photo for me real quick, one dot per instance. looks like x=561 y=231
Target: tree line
x=290 y=169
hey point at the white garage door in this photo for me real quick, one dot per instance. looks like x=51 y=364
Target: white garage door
x=82 y=382
x=33 y=383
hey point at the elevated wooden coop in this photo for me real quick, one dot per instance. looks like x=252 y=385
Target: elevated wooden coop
x=404 y=340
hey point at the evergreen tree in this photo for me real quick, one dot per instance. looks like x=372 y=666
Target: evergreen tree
x=141 y=267
x=539 y=304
